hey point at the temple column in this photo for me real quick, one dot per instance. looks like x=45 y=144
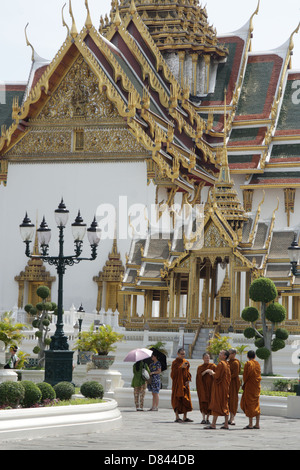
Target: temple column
x=172 y=297
x=177 y=293
x=212 y=293
x=181 y=55
x=191 y=289
x=194 y=65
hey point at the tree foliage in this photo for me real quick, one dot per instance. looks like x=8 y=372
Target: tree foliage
x=267 y=339
x=41 y=314
x=10 y=332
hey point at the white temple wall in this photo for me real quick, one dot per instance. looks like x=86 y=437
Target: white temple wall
x=38 y=189
x=270 y=203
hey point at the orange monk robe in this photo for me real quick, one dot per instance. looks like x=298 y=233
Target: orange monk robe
x=220 y=390
x=204 y=386
x=251 y=387
x=181 y=395
x=235 y=383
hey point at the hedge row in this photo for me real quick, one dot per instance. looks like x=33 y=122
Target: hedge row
x=28 y=394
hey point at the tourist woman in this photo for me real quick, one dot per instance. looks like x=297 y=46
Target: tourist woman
x=139 y=384
x=155 y=384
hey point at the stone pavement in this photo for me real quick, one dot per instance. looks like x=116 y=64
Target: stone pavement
x=156 y=431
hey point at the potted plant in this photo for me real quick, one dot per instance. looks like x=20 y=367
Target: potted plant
x=102 y=342
x=84 y=346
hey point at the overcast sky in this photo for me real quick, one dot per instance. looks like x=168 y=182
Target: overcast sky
x=273 y=26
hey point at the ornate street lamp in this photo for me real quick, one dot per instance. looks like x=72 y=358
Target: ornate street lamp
x=294 y=253
x=58 y=359
x=80 y=316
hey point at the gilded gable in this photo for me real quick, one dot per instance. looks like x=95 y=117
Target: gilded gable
x=78 y=97
x=79 y=122
x=212 y=238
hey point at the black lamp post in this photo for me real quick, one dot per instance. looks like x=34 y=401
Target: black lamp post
x=80 y=315
x=294 y=253
x=58 y=359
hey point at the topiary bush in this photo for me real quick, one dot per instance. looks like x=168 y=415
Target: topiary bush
x=250 y=314
x=277 y=344
x=64 y=390
x=249 y=332
x=268 y=339
x=11 y=394
x=281 y=333
x=48 y=392
x=263 y=353
x=259 y=342
x=92 y=389
x=32 y=395
x=275 y=313
x=263 y=289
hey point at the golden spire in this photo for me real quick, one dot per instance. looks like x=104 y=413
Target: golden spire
x=28 y=43
x=117 y=19
x=132 y=8
x=88 y=21
x=63 y=20
x=224 y=175
x=73 y=28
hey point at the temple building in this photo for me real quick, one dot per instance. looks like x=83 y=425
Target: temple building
x=190 y=141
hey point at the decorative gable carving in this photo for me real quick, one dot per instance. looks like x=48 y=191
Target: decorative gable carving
x=78 y=97
x=212 y=238
x=77 y=106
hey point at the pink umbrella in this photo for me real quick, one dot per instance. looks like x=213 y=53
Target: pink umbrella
x=138 y=355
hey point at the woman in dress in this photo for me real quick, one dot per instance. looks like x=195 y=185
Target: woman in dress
x=155 y=384
x=139 y=384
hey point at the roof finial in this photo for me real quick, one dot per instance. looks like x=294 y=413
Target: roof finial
x=73 y=28
x=117 y=18
x=255 y=13
x=132 y=9
x=88 y=21
x=291 y=47
x=63 y=20
x=224 y=175
x=28 y=43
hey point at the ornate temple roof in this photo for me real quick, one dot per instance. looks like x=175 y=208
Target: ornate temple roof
x=174 y=25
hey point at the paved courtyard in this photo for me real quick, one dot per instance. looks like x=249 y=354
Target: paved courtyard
x=157 y=431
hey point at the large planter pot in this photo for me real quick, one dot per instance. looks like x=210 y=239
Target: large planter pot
x=85 y=356
x=102 y=362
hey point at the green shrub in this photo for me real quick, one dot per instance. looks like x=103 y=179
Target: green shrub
x=281 y=385
x=250 y=314
x=64 y=390
x=275 y=313
x=33 y=394
x=277 y=344
x=92 y=389
x=11 y=394
x=263 y=353
x=263 y=290
x=249 y=332
x=48 y=392
x=259 y=342
x=281 y=333
x=43 y=292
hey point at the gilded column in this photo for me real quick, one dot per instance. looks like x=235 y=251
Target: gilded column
x=194 y=64
x=172 y=297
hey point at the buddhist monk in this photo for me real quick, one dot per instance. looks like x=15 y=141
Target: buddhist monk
x=235 y=383
x=181 y=395
x=204 y=382
x=220 y=391
x=251 y=390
